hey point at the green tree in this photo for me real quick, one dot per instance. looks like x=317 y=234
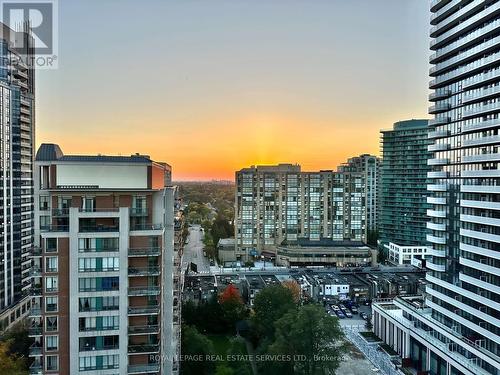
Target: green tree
x=195 y=348
x=233 y=308
x=236 y=351
x=270 y=304
x=311 y=339
x=11 y=363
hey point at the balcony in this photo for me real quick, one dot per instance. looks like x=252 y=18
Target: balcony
x=437 y=174
x=36 y=291
x=438 y=161
x=436 y=240
x=144 y=271
x=438 y=108
x=143 y=348
x=144 y=310
x=35 y=330
x=482 y=140
x=482 y=173
x=437 y=187
x=144 y=369
x=60 y=212
x=438 y=147
x=435 y=226
x=36 y=251
x=144 y=291
x=439 y=95
x=436 y=200
x=99 y=228
x=138 y=212
x=36 y=368
x=481 y=158
x=143 y=329
x=435 y=267
x=141 y=227
x=35 y=350
x=35 y=311
x=481 y=125
x=438 y=134
x=439 y=121
x=54 y=228
x=141 y=252
x=35 y=271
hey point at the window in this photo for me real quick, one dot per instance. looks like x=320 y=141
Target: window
x=44 y=202
x=44 y=222
x=87 y=264
x=51 y=362
x=110 y=361
x=51 y=304
x=51 y=343
x=110 y=283
x=110 y=322
x=110 y=264
x=87 y=284
x=51 y=283
x=51 y=323
x=88 y=363
x=87 y=324
x=87 y=304
x=110 y=303
x=88 y=204
x=51 y=264
x=51 y=245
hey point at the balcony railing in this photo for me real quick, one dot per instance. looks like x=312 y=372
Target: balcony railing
x=35 y=330
x=36 y=291
x=36 y=368
x=143 y=329
x=99 y=228
x=54 y=228
x=138 y=212
x=143 y=271
x=94 y=209
x=143 y=291
x=147 y=251
x=35 y=350
x=139 y=226
x=143 y=348
x=143 y=310
x=142 y=369
x=60 y=212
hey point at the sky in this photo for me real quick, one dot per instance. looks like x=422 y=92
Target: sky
x=213 y=86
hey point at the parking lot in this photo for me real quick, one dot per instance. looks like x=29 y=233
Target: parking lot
x=356 y=319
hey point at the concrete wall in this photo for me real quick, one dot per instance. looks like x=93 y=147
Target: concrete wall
x=126 y=176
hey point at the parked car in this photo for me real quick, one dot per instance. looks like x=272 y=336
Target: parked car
x=354 y=309
x=340 y=314
x=363 y=315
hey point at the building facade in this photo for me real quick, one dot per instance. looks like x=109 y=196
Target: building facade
x=456 y=329
x=17 y=130
x=281 y=203
x=103 y=268
x=406 y=150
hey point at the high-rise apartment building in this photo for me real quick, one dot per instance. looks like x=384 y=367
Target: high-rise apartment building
x=406 y=150
x=16 y=169
x=369 y=168
x=103 y=271
x=456 y=330
x=281 y=203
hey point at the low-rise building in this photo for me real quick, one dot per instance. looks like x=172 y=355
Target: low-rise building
x=226 y=251
x=407 y=255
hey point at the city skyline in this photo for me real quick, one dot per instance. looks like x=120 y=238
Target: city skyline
x=294 y=89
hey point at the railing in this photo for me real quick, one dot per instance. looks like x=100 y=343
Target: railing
x=143 y=348
x=143 y=290
x=35 y=350
x=140 y=369
x=141 y=310
x=139 y=271
x=143 y=329
x=35 y=330
x=139 y=226
x=99 y=228
x=94 y=209
x=138 y=212
x=60 y=212
x=54 y=228
x=147 y=251
x=96 y=250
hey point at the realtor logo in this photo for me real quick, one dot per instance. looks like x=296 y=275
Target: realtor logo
x=40 y=17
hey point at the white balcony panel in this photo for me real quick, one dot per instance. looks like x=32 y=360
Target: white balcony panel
x=437 y=174
x=482 y=140
x=434 y=226
x=438 y=161
x=464 y=321
x=461 y=291
x=484 y=285
x=435 y=239
x=480 y=251
x=437 y=187
x=481 y=125
x=480 y=266
x=479 y=235
x=436 y=253
x=435 y=267
x=480 y=220
x=462 y=306
x=436 y=213
x=480 y=204
x=434 y=200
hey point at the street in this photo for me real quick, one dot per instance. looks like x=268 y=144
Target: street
x=193 y=250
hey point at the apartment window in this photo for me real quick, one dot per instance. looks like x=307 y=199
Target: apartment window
x=110 y=322
x=87 y=284
x=88 y=363
x=44 y=222
x=51 y=343
x=51 y=323
x=88 y=204
x=110 y=264
x=51 y=264
x=87 y=304
x=110 y=361
x=87 y=264
x=44 y=202
x=51 y=304
x=51 y=245
x=51 y=284
x=52 y=362
x=110 y=342
x=110 y=303
x=88 y=324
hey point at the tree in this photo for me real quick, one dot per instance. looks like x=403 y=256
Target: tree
x=294 y=288
x=311 y=340
x=270 y=304
x=196 y=346
x=233 y=308
x=10 y=363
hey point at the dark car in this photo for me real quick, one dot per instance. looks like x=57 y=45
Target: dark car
x=363 y=315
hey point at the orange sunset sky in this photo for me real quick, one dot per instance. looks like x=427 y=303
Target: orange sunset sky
x=212 y=87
